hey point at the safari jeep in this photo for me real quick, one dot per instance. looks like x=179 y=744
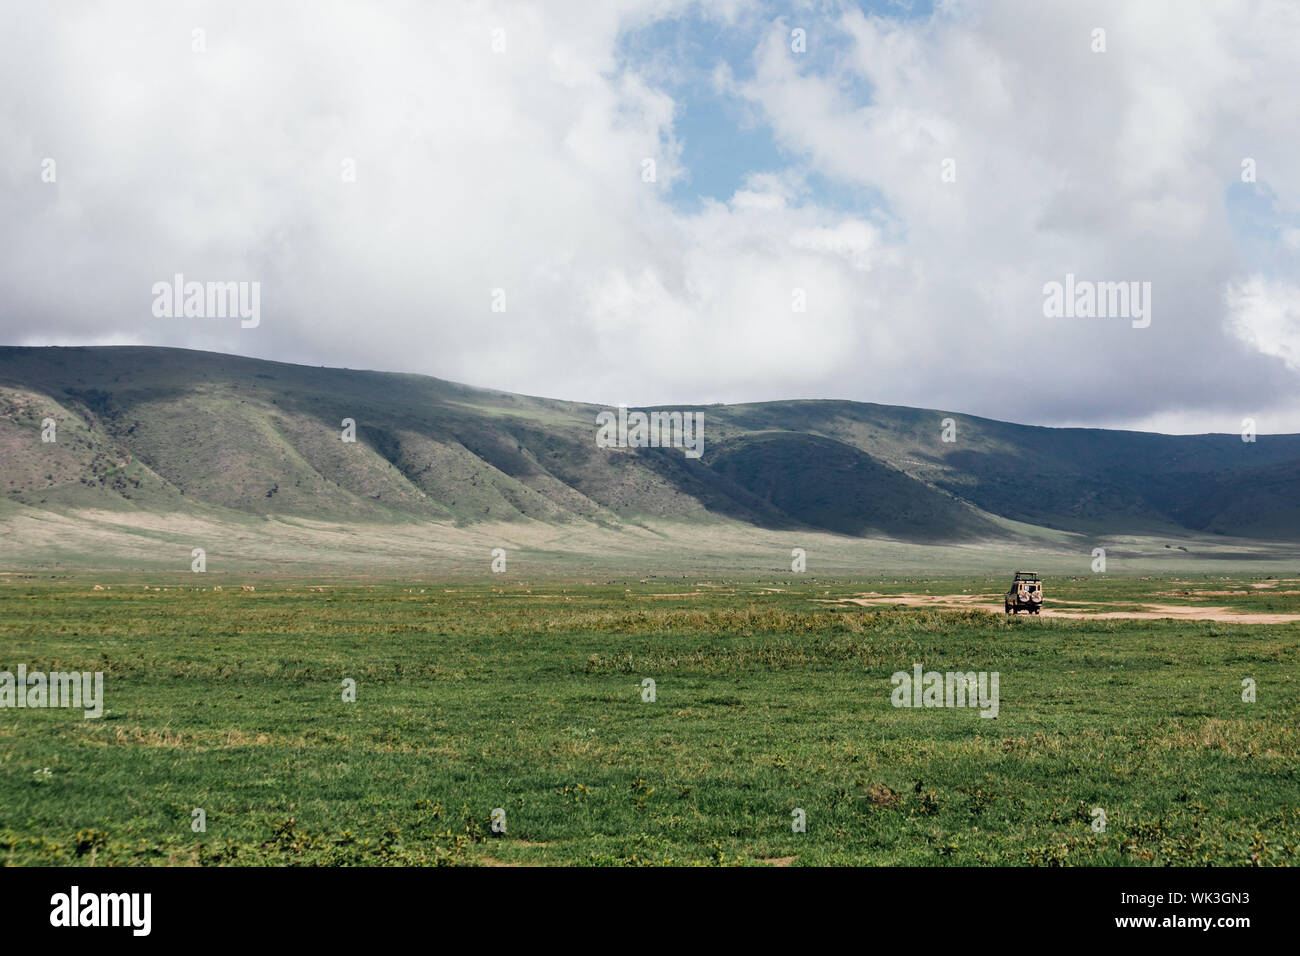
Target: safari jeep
x=1026 y=594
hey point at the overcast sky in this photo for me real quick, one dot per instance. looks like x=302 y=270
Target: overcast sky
x=504 y=146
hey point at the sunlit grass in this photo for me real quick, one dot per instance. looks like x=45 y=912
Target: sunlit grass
x=528 y=697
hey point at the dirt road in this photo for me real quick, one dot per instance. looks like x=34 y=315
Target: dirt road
x=980 y=602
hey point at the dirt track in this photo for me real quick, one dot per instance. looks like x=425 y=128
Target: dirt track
x=980 y=602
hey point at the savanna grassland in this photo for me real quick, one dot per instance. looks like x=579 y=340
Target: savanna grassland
x=771 y=696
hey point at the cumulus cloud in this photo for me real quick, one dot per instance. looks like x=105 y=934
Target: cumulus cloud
x=1110 y=165
x=503 y=146
x=1266 y=315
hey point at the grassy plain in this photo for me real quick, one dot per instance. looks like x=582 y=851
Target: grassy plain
x=527 y=696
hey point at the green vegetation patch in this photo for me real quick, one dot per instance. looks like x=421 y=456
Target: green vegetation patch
x=531 y=699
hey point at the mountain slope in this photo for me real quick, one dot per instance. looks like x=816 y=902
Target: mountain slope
x=165 y=430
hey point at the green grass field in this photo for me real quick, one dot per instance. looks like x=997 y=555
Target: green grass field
x=527 y=697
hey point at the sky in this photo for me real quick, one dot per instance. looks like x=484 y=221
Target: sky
x=667 y=202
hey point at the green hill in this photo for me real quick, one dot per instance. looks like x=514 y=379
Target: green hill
x=169 y=430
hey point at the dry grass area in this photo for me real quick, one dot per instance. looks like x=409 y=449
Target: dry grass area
x=692 y=551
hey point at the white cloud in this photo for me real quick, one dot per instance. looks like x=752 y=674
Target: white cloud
x=1265 y=314
x=1113 y=166
x=522 y=171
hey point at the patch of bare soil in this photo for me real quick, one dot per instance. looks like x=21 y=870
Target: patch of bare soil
x=1199 y=594
x=1153 y=611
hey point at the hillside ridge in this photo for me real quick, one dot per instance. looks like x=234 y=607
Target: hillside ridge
x=166 y=430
